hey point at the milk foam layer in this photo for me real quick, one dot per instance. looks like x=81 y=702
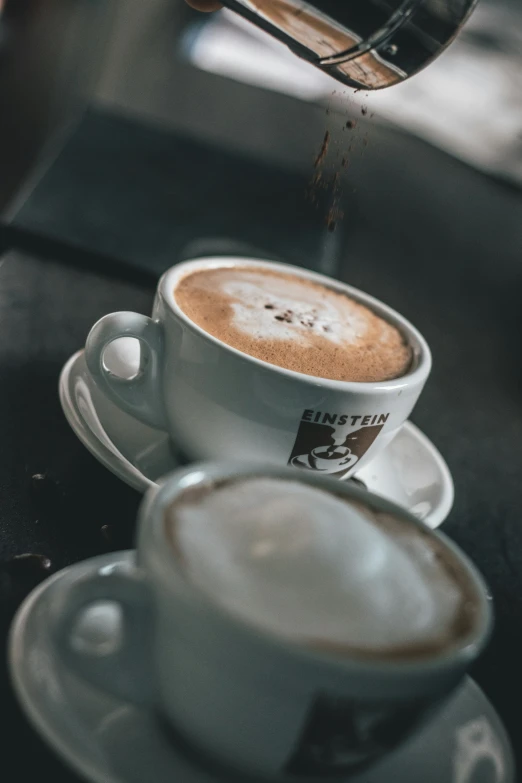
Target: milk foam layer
x=294 y=322
x=306 y=565
x=292 y=311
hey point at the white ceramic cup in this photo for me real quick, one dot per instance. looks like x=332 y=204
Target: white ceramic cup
x=247 y=698
x=219 y=403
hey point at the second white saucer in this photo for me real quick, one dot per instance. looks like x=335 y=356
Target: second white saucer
x=409 y=471
x=107 y=740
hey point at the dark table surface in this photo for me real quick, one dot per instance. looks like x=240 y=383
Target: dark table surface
x=445 y=248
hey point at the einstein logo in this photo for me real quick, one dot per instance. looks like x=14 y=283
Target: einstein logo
x=333 y=443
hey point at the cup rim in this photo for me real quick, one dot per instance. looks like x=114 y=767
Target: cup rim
x=152 y=514
x=421 y=352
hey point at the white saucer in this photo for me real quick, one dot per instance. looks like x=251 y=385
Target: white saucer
x=110 y=741
x=410 y=471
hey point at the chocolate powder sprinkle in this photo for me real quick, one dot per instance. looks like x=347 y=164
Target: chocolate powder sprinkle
x=323 y=151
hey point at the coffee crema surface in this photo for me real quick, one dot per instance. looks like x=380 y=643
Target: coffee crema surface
x=295 y=323
x=321 y=570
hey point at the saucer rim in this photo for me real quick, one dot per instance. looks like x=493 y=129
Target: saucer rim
x=114 y=461
x=442 y=511
x=120 y=466
x=52 y=737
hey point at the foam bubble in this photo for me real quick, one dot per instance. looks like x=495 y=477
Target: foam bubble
x=269 y=308
x=304 y=564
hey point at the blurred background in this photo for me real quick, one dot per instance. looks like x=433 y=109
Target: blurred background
x=219 y=82
x=136 y=133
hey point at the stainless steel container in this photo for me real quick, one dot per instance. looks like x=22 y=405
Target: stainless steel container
x=366 y=44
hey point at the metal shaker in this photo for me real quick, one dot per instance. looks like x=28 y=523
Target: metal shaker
x=366 y=44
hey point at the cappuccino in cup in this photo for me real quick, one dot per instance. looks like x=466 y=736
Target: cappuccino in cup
x=321 y=570
x=294 y=323
x=253 y=360
x=286 y=624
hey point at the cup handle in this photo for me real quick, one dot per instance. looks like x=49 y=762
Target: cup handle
x=125 y=671
x=139 y=396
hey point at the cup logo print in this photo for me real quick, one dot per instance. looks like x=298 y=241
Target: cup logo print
x=333 y=443
x=339 y=737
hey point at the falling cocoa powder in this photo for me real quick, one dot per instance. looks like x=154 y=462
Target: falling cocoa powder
x=323 y=152
x=329 y=164
x=323 y=181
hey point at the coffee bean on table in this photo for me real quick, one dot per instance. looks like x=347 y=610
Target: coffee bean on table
x=28 y=569
x=46 y=492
